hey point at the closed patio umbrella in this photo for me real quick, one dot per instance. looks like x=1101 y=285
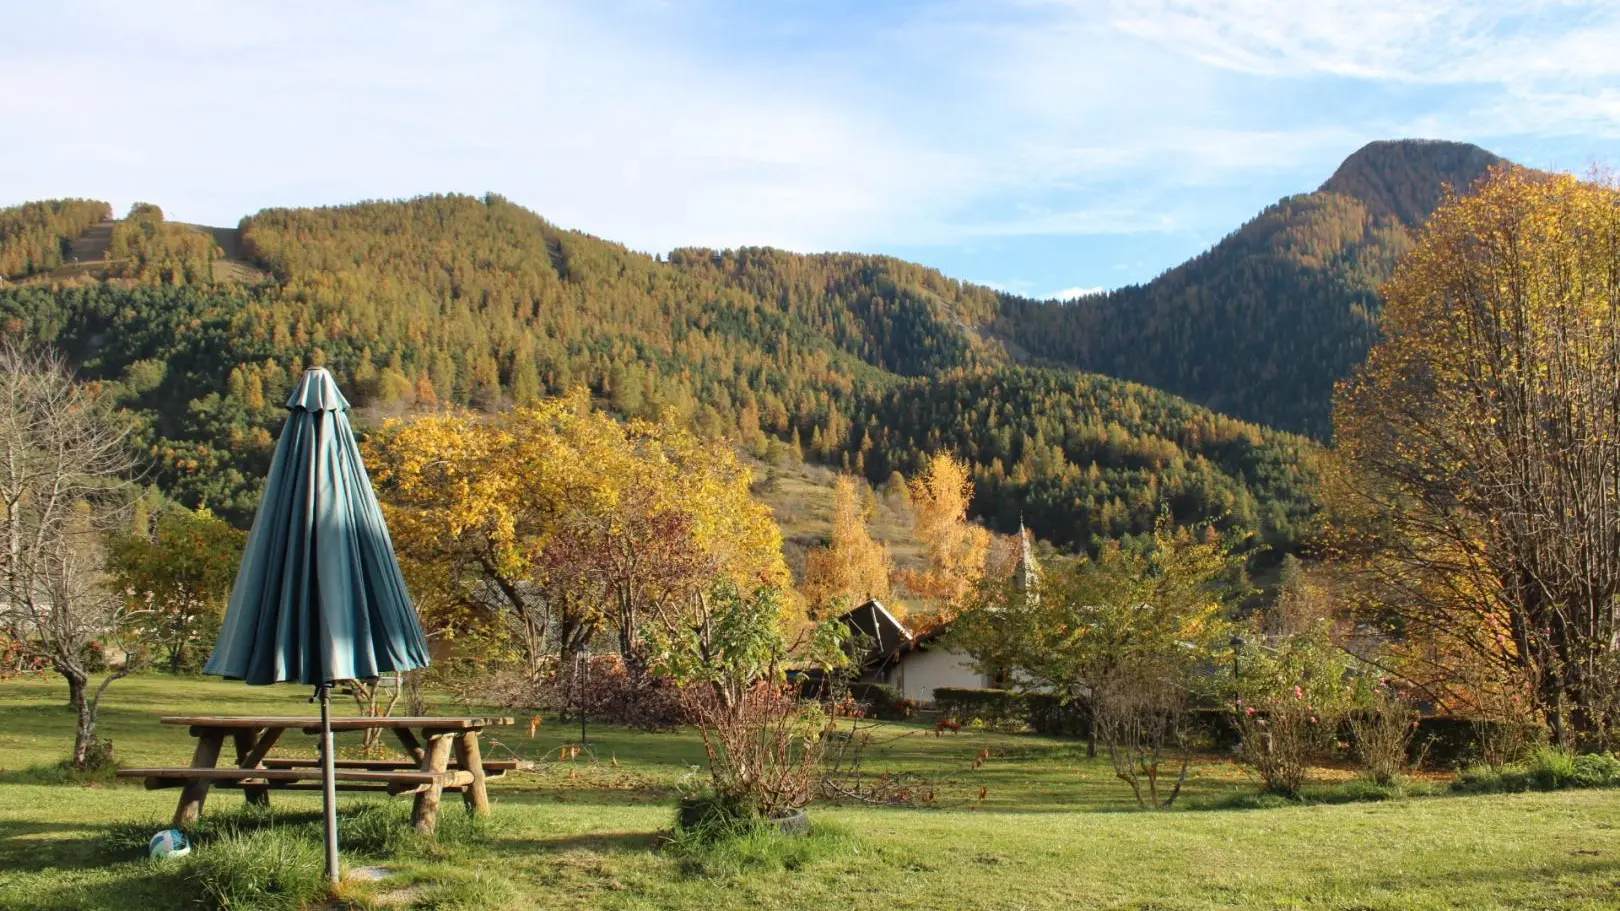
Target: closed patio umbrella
x=319 y=597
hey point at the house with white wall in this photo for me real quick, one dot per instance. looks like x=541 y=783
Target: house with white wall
x=914 y=664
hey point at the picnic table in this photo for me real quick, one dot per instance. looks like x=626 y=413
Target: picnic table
x=444 y=756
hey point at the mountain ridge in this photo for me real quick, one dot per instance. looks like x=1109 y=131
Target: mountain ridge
x=863 y=363
x=1430 y=166
x=1266 y=321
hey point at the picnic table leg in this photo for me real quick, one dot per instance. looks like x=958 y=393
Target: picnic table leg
x=469 y=757
x=248 y=756
x=413 y=747
x=436 y=758
x=206 y=756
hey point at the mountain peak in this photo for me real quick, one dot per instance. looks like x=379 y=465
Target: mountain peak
x=1405 y=178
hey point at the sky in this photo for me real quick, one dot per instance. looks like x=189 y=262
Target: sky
x=1044 y=147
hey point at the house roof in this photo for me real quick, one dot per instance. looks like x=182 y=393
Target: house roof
x=894 y=640
x=874 y=621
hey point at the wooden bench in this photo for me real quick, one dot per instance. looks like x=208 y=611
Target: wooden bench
x=493 y=768
x=444 y=755
x=295 y=779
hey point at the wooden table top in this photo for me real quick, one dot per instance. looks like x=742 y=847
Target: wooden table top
x=347 y=723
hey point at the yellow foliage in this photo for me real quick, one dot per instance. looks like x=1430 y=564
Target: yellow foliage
x=1474 y=493
x=957 y=550
x=610 y=520
x=853 y=567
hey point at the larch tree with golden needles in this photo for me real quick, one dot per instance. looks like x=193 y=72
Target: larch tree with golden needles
x=853 y=567
x=956 y=548
x=1478 y=479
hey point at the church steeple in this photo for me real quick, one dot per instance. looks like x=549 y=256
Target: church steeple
x=1029 y=572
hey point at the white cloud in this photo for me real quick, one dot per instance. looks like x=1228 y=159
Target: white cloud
x=589 y=124
x=938 y=124
x=1069 y=294
x=1483 y=41
x=1547 y=66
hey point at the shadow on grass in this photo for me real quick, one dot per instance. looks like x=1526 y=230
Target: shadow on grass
x=1567 y=882
x=59 y=773
x=1323 y=795
x=30 y=846
x=13 y=828
x=146 y=885
x=598 y=842
x=590 y=797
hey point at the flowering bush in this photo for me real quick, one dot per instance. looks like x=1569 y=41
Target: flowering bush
x=1279 y=740
x=1293 y=697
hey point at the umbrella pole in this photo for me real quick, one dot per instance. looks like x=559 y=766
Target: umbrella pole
x=329 y=784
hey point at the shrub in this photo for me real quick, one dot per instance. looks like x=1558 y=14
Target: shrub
x=1381 y=735
x=1054 y=717
x=1279 y=742
x=767 y=749
x=1550 y=768
x=995 y=707
x=1446 y=741
x=1294 y=696
x=1502 y=742
x=882 y=701
x=1595 y=770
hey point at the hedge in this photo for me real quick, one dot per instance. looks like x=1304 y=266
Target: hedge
x=1050 y=715
x=992 y=706
x=1214 y=727
x=1446 y=742
x=885 y=702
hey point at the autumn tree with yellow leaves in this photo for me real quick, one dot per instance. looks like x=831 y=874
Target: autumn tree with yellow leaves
x=853 y=567
x=561 y=522
x=1477 y=485
x=956 y=549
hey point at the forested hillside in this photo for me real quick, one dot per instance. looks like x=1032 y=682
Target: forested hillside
x=34 y=237
x=454 y=300
x=1263 y=324
x=1084 y=457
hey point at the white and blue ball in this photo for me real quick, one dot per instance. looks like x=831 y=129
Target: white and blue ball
x=169 y=844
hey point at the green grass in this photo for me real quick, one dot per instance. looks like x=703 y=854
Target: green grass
x=1052 y=830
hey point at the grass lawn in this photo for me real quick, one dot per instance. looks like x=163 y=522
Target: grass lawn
x=1050 y=830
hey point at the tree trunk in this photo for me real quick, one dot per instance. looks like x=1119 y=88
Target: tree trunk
x=84 y=731
x=78 y=688
x=84 y=734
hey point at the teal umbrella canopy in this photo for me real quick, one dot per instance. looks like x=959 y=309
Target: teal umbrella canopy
x=319 y=596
